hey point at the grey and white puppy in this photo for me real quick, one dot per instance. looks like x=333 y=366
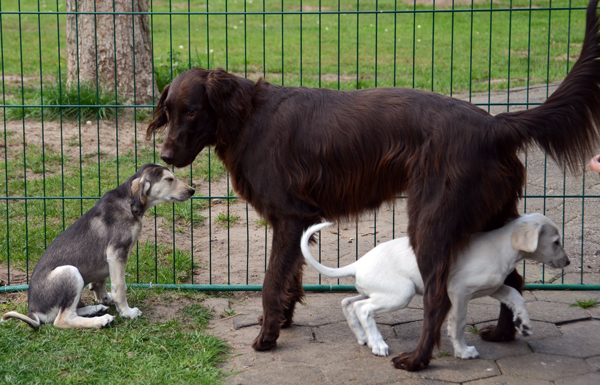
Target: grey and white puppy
x=96 y=247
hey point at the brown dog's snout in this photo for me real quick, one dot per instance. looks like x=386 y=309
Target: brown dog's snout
x=191 y=191
x=167 y=156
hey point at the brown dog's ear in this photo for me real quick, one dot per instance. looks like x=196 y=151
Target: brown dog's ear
x=160 y=116
x=139 y=189
x=526 y=236
x=229 y=95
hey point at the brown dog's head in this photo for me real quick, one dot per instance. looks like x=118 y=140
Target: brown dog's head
x=199 y=108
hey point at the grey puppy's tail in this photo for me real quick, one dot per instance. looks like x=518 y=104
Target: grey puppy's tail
x=33 y=323
x=342 y=272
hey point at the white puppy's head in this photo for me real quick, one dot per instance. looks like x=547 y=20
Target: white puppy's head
x=539 y=238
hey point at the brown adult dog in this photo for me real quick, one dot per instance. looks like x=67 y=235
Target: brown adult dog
x=299 y=155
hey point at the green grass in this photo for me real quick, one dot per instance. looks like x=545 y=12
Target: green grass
x=586 y=304
x=470 y=49
x=131 y=351
x=473 y=329
x=227 y=220
x=444 y=353
x=68 y=97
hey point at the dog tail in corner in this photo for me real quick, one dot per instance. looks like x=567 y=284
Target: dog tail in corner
x=33 y=323
x=567 y=124
x=342 y=272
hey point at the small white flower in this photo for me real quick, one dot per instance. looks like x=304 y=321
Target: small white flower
x=419 y=26
x=235 y=27
x=418 y=40
x=370 y=25
x=326 y=28
x=180 y=47
x=250 y=1
x=212 y=50
x=386 y=30
x=241 y=21
x=89 y=122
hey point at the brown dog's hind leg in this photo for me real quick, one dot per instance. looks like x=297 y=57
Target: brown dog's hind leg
x=505 y=330
x=280 y=288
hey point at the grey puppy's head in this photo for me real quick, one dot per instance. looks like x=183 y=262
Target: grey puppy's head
x=154 y=184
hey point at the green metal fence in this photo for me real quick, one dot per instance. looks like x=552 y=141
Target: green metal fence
x=65 y=143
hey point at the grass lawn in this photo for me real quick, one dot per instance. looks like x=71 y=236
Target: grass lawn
x=445 y=52
x=141 y=351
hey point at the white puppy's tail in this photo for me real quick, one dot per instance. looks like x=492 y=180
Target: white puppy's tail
x=342 y=272
x=34 y=324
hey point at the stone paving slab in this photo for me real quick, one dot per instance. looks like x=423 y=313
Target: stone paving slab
x=321 y=349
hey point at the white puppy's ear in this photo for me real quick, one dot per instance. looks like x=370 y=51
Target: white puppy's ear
x=526 y=236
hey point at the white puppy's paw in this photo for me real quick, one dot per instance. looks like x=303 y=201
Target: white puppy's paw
x=131 y=313
x=380 y=349
x=523 y=324
x=362 y=341
x=105 y=321
x=468 y=353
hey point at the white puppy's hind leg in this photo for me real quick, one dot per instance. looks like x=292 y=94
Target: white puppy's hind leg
x=71 y=282
x=353 y=322
x=511 y=297
x=396 y=296
x=457 y=321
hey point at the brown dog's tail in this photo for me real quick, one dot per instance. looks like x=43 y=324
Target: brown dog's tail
x=567 y=125
x=33 y=323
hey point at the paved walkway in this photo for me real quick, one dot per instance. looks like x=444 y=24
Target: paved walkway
x=320 y=348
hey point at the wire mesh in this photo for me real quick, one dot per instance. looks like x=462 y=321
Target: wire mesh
x=68 y=138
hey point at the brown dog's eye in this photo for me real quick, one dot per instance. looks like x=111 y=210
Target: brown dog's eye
x=191 y=113
x=169 y=179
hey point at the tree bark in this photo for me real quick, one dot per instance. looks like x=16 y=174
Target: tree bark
x=103 y=41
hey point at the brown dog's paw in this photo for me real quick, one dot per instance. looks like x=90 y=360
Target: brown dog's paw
x=261 y=344
x=494 y=334
x=260 y=319
x=409 y=361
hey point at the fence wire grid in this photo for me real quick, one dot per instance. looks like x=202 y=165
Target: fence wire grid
x=67 y=140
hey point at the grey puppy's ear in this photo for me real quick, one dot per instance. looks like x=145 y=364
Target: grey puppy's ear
x=139 y=189
x=526 y=236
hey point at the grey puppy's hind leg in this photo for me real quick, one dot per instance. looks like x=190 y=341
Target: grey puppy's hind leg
x=69 y=280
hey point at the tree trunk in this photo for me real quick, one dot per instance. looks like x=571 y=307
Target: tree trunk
x=101 y=41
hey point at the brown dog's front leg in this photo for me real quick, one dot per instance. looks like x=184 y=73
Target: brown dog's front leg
x=505 y=330
x=436 y=305
x=280 y=288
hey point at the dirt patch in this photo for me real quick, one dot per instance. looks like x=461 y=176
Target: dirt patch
x=17 y=277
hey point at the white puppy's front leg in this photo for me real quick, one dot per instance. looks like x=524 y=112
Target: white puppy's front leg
x=514 y=300
x=117 y=261
x=457 y=321
x=353 y=322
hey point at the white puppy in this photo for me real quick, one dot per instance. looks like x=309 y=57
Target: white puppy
x=388 y=277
